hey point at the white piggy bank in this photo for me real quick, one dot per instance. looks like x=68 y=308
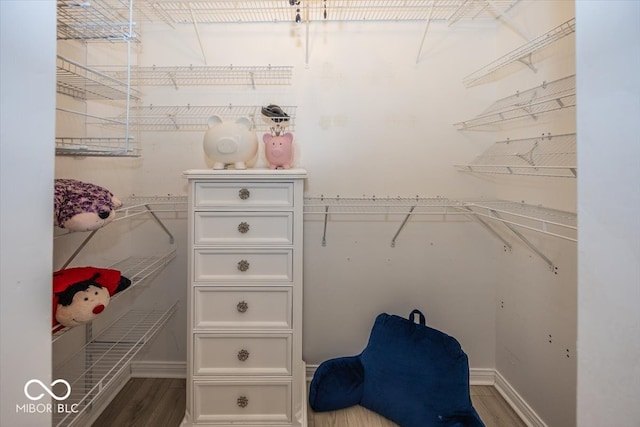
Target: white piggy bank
x=230 y=142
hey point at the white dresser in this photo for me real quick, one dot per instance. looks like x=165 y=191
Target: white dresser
x=244 y=314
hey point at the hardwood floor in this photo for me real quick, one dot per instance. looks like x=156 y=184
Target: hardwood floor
x=492 y=408
x=158 y=402
x=146 y=402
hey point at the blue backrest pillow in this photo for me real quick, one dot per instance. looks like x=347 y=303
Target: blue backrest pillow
x=410 y=373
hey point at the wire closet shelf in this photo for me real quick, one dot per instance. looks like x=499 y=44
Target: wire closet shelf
x=548 y=97
x=547 y=221
x=245 y=11
x=546 y=155
x=195 y=118
x=522 y=54
x=96 y=366
x=140 y=267
x=223 y=75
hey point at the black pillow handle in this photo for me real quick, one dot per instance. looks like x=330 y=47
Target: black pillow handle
x=418 y=312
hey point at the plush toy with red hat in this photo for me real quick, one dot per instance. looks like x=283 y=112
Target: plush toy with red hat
x=80 y=294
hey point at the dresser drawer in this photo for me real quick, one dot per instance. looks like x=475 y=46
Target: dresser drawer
x=237 y=265
x=242 y=354
x=242 y=308
x=243 y=195
x=243 y=228
x=252 y=402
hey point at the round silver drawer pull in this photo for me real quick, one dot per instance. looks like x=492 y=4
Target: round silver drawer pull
x=244 y=194
x=243 y=265
x=243 y=401
x=243 y=355
x=242 y=306
x=243 y=227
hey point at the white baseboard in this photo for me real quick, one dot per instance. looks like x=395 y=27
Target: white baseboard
x=528 y=415
x=158 y=369
x=488 y=377
x=482 y=376
x=478 y=376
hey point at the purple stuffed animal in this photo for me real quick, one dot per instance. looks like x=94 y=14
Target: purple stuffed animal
x=279 y=150
x=80 y=206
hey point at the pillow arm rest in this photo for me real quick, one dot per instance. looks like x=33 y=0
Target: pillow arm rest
x=337 y=384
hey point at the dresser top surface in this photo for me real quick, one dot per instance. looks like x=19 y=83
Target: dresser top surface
x=245 y=173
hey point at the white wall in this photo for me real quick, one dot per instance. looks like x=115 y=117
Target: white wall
x=27 y=82
x=369 y=121
x=608 y=62
x=536 y=320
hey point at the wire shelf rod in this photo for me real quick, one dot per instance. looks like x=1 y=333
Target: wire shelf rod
x=542 y=214
x=95 y=146
x=103 y=119
x=572 y=171
x=540 y=230
x=94 y=84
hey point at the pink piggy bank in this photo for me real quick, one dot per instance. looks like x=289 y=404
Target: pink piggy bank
x=279 y=150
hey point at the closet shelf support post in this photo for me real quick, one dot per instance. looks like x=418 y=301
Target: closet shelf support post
x=524 y=239
x=324 y=231
x=157 y=220
x=195 y=27
x=77 y=251
x=509 y=21
x=404 y=222
x=488 y=227
x=426 y=29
